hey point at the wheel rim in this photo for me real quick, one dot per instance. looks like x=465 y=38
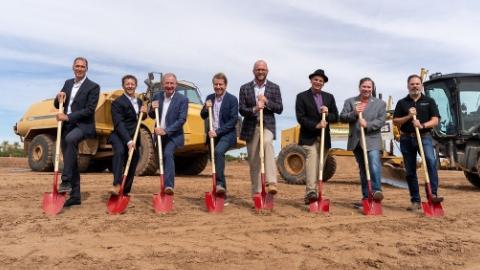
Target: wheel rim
x=294 y=163
x=37 y=153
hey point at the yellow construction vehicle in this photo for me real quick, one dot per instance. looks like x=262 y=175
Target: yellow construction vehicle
x=38 y=125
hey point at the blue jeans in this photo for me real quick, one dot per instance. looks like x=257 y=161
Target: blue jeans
x=169 y=148
x=222 y=145
x=409 y=148
x=375 y=169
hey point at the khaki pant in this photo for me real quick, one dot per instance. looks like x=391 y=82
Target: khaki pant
x=253 y=151
x=312 y=164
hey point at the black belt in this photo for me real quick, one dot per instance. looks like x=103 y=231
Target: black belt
x=414 y=134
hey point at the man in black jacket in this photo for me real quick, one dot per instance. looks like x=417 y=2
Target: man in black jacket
x=309 y=106
x=80 y=97
x=125 y=111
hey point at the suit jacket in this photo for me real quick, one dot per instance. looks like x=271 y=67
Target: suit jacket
x=308 y=117
x=374 y=114
x=175 y=118
x=228 y=116
x=248 y=102
x=125 y=118
x=83 y=106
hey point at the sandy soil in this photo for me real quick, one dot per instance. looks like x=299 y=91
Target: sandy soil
x=85 y=237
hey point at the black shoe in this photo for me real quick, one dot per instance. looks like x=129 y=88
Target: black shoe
x=72 y=201
x=310 y=197
x=357 y=205
x=436 y=199
x=65 y=187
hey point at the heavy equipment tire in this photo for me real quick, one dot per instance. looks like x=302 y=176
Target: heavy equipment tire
x=329 y=168
x=83 y=162
x=473 y=178
x=192 y=165
x=291 y=164
x=41 y=153
x=148 y=163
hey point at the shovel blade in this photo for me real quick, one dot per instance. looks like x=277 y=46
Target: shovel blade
x=117 y=204
x=371 y=207
x=162 y=203
x=53 y=202
x=214 y=203
x=431 y=209
x=320 y=205
x=263 y=201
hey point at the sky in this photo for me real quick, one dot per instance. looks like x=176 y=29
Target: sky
x=384 y=40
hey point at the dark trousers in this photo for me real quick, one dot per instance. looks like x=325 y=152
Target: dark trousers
x=119 y=160
x=71 y=137
x=222 y=145
x=409 y=148
x=169 y=147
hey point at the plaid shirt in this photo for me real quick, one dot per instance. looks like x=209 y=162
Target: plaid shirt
x=247 y=103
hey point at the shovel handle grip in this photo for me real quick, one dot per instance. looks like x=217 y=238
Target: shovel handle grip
x=422 y=153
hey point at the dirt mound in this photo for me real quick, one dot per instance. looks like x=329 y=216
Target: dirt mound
x=85 y=237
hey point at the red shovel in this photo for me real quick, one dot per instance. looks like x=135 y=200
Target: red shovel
x=213 y=201
x=262 y=200
x=430 y=209
x=162 y=203
x=370 y=206
x=53 y=202
x=320 y=205
x=118 y=203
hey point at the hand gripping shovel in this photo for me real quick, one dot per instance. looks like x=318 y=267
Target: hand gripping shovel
x=370 y=206
x=262 y=200
x=430 y=209
x=213 y=201
x=53 y=202
x=118 y=203
x=320 y=205
x=162 y=203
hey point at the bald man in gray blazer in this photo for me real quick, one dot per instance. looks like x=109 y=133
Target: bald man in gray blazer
x=373 y=112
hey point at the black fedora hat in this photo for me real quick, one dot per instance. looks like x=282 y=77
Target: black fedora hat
x=319 y=72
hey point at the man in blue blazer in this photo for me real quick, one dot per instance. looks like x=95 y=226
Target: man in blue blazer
x=225 y=116
x=173 y=108
x=80 y=97
x=125 y=111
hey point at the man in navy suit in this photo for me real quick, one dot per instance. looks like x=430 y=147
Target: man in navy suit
x=173 y=108
x=260 y=94
x=125 y=110
x=225 y=116
x=80 y=97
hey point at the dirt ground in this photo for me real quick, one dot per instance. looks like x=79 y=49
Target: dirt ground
x=86 y=237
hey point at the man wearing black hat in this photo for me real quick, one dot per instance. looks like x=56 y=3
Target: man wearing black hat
x=309 y=106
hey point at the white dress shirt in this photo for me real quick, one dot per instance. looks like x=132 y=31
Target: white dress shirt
x=166 y=104
x=76 y=86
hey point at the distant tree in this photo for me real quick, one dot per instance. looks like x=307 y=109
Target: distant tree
x=4 y=146
x=11 y=150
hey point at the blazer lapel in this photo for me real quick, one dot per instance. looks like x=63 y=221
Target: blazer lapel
x=82 y=87
x=311 y=98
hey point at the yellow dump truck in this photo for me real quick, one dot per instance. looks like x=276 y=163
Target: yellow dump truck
x=37 y=129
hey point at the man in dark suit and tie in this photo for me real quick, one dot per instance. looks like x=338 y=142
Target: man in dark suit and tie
x=309 y=106
x=173 y=108
x=80 y=97
x=225 y=116
x=254 y=96
x=125 y=110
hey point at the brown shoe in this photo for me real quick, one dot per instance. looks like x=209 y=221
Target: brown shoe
x=436 y=199
x=415 y=206
x=272 y=188
x=378 y=196
x=115 y=190
x=169 y=190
